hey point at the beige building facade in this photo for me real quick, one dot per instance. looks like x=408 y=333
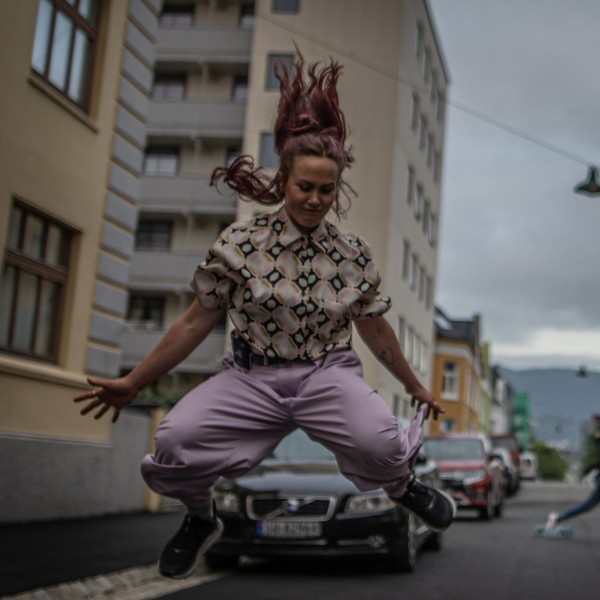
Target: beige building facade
x=73 y=104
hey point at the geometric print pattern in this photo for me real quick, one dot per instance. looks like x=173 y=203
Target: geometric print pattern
x=290 y=295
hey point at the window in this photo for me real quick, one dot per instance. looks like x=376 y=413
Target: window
x=396 y=404
x=421 y=284
x=161 y=161
x=437 y=166
x=430 y=149
x=426 y=215
x=429 y=293
x=247 y=18
x=405 y=259
x=146 y=311
x=410 y=340
x=447 y=425
x=277 y=60
x=424 y=358
x=433 y=230
x=450 y=381
x=414 y=112
x=426 y=66
x=268 y=157
x=153 y=235
x=401 y=332
x=414 y=272
x=441 y=102
x=240 y=88
x=285 y=6
x=33 y=283
x=423 y=132
x=433 y=88
x=416 y=358
x=419 y=202
x=65 y=38
x=230 y=155
x=177 y=15
x=420 y=41
x=410 y=184
x=169 y=87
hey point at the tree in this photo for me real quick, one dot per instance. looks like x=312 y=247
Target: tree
x=551 y=465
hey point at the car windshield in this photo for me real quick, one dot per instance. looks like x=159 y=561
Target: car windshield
x=298 y=447
x=454 y=449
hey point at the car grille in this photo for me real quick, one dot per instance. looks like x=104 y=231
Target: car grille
x=268 y=506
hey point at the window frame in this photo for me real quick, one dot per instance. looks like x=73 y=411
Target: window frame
x=18 y=258
x=139 y=246
x=275 y=9
x=287 y=58
x=78 y=23
x=450 y=380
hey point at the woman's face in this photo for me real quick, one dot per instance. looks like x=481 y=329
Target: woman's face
x=310 y=190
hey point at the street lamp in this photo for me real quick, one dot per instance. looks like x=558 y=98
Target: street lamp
x=589 y=187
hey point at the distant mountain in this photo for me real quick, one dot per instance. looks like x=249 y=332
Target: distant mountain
x=561 y=402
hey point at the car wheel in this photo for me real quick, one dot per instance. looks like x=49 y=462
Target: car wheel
x=218 y=562
x=404 y=557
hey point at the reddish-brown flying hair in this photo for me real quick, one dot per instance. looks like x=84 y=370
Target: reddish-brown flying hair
x=309 y=122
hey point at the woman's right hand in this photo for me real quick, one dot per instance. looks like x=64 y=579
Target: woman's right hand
x=107 y=394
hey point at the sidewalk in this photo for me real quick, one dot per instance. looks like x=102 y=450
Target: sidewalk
x=89 y=558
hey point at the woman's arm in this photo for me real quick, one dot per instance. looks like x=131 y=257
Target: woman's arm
x=381 y=340
x=181 y=339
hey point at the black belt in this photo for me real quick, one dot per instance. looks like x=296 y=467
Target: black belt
x=275 y=361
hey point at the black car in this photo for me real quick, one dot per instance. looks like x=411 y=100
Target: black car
x=297 y=504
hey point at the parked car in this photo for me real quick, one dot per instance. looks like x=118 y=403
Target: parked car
x=297 y=504
x=469 y=470
x=511 y=443
x=529 y=466
x=510 y=473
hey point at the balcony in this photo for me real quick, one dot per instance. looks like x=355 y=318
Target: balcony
x=184 y=120
x=185 y=195
x=164 y=271
x=185 y=47
x=206 y=358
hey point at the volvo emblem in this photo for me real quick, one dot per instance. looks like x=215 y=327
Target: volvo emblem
x=291 y=506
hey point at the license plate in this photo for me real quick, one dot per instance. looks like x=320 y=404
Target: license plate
x=288 y=529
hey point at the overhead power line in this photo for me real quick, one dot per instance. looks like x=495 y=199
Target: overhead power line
x=417 y=87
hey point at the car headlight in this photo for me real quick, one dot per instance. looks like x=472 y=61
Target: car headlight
x=472 y=476
x=369 y=503
x=226 y=502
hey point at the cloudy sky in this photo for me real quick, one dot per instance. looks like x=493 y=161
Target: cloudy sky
x=517 y=244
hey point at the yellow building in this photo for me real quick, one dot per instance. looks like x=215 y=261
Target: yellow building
x=457 y=374
x=75 y=82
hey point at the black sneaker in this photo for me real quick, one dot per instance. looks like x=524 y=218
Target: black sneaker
x=435 y=508
x=180 y=557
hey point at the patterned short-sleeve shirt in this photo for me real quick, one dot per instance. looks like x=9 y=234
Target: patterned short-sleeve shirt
x=288 y=294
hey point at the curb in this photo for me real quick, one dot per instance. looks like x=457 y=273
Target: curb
x=139 y=583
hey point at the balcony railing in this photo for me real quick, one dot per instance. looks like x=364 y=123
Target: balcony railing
x=219 y=45
x=164 y=271
x=185 y=195
x=206 y=358
x=202 y=118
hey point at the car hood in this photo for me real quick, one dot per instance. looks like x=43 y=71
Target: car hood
x=294 y=478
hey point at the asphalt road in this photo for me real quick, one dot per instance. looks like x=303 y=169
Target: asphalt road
x=497 y=560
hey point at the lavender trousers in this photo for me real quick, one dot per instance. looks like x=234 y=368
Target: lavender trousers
x=232 y=421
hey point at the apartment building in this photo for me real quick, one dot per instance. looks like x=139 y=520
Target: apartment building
x=76 y=76
x=214 y=95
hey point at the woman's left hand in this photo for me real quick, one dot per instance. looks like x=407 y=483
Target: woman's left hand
x=421 y=396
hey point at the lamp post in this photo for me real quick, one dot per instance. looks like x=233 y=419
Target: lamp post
x=589 y=187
